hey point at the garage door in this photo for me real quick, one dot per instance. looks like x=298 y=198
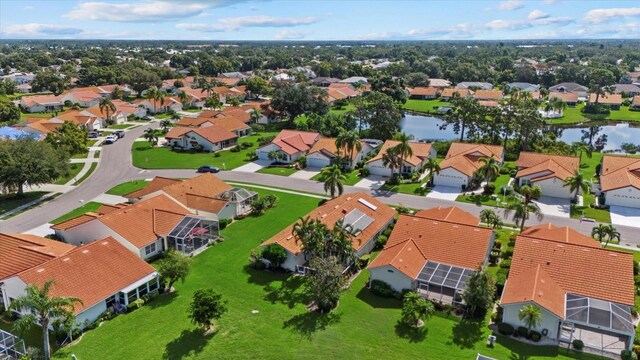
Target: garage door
x=378 y=170
x=318 y=162
x=556 y=190
x=450 y=180
x=623 y=198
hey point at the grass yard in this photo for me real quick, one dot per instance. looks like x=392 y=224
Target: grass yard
x=588 y=169
x=45 y=115
x=92 y=168
x=127 y=187
x=409 y=188
x=481 y=199
x=12 y=201
x=282 y=171
x=88 y=207
x=91 y=143
x=74 y=169
x=575 y=115
x=352 y=178
x=146 y=157
x=424 y=106
x=267 y=316
x=121 y=126
x=80 y=156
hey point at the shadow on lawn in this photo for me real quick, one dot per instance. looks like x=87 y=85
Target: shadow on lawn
x=376 y=301
x=190 y=342
x=412 y=334
x=162 y=300
x=521 y=351
x=287 y=293
x=478 y=199
x=308 y=323
x=467 y=332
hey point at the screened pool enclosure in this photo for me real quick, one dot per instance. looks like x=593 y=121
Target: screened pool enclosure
x=193 y=234
x=443 y=283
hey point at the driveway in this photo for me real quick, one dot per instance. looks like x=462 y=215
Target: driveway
x=253 y=166
x=372 y=182
x=444 y=193
x=626 y=216
x=554 y=206
x=306 y=174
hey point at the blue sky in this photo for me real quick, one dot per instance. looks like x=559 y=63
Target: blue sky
x=318 y=20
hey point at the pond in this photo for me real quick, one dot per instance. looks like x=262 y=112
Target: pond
x=428 y=127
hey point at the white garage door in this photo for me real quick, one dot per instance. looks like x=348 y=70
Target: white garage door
x=450 y=180
x=318 y=162
x=556 y=190
x=628 y=197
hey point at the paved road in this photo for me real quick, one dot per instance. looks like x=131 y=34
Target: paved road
x=115 y=167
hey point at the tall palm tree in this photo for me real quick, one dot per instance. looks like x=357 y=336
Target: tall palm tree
x=341 y=242
x=600 y=232
x=106 y=106
x=207 y=87
x=491 y=218
x=416 y=309
x=38 y=307
x=433 y=167
x=490 y=168
x=156 y=95
x=577 y=183
x=403 y=148
x=150 y=135
x=531 y=316
x=184 y=98
x=391 y=159
x=612 y=234
x=350 y=141
x=255 y=115
x=312 y=235
x=333 y=180
x=165 y=124
x=522 y=208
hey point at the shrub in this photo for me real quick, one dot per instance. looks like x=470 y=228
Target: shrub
x=501 y=276
x=381 y=288
x=497 y=244
x=493 y=257
x=257 y=127
x=489 y=189
x=523 y=331
x=236 y=148
x=505 y=264
x=636 y=349
x=247 y=144
x=387 y=232
x=578 y=344
x=401 y=209
x=275 y=253
x=381 y=241
x=504 y=170
x=303 y=162
x=216 y=154
x=505 y=329
x=364 y=260
x=628 y=355
x=513 y=172
x=222 y=223
x=535 y=336
x=265 y=140
x=135 y=305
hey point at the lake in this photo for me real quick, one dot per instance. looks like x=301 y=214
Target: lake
x=428 y=127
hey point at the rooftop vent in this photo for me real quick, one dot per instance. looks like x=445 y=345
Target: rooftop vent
x=366 y=203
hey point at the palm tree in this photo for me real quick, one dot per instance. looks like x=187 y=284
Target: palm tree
x=38 y=307
x=184 y=98
x=106 y=106
x=522 y=208
x=390 y=159
x=403 y=149
x=273 y=155
x=213 y=102
x=531 y=316
x=333 y=180
x=433 y=167
x=350 y=141
x=165 y=124
x=416 y=309
x=600 y=232
x=156 y=95
x=577 y=183
x=490 y=168
x=341 y=242
x=612 y=234
x=150 y=135
x=491 y=218
x=312 y=235
x=206 y=86
x=578 y=147
x=255 y=115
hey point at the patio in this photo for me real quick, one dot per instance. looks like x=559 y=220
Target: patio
x=192 y=235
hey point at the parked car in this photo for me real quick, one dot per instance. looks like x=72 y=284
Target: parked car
x=110 y=139
x=93 y=134
x=208 y=168
x=119 y=134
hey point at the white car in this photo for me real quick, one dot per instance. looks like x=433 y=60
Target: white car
x=110 y=139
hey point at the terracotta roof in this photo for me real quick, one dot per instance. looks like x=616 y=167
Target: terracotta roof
x=231 y=124
x=121 y=107
x=158 y=183
x=546 y=166
x=423 y=91
x=336 y=209
x=488 y=103
x=78 y=220
x=192 y=122
x=214 y=134
x=577 y=269
x=420 y=151
x=44 y=126
x=445 y=242
x=488 y=94
x=449 y=214
x=619 y=172
x=177 y=132
x=292 y=141
x=199 y=94
x=19 y=252
x=106 y=208
x=78 y=117
x=205 y=203
x=85 y=95
x=449 y=92
x=228 y=81
x=608 y=99
x=223 y=90
x=563 y=234
x=636 y=101
x=336 y=94
x=465 y=157
x=564 y=96
x=92 y=272
x=32 y=100
x=328 y=145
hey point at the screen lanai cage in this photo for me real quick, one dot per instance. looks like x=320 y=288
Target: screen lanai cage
x=443 y=283
x=599 y=313
x=11 y=346
x=242 y=197
x=193 y=234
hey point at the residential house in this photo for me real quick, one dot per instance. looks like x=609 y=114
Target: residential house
x=197 y=97
x=570 y=87
x=102 y=275
x=230 y=82
x=204 y=195
x=449 y=93
x=41 y=103
x=169 y=87
x=613 y=100
x=38 y=126
x=120 y=115
x=13 y=133
x=324 y=152
x=635 y=103
x=487 y=95
x=20 y=252
x=450 y=214
x=474 y=85
x=82 y=118
x=439 y=83
x=365 y=217
x=292 y=143
x=235 y=75
x=571 y=99
x=620 y=181
x=523 y=86
x=548 y=172
x=83 y=98
x=423 y=93
x=209 y=138
x=156 y=107
x=354 y=80
x=323 y=81
x=20 y=78
x=146 y=228
x=229 y=123
x=459 y=167
x=584 y=292
x=433 y=254
x=422 y=152
x=24 y=88
x=630 y=90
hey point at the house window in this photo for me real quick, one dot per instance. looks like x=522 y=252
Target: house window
x=150 y=249
x=389 y=270
x=111 y=300
x=131 y=296
x=153 y=284
x=524 y=182
x=142 y=290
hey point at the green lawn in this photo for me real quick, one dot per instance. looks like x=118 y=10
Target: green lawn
x=88 y=207
x=425 y=106
x=268 y=319
x=127 y=187
x=162 y=116
x=588 y=169
x=80 y=156
x=74 y=169
x=92 y=168
x=352 y=178
x=12 y=201
x=121 y=126
x=164 y=158
x=282 y=171
x=349 y=107
x=46 y=115
x=574 y=115
x=409 y=188
x=91 y=143
x=481 y=199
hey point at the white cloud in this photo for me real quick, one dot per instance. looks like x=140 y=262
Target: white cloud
x=144 y=11
x=28 y=7
x=550 y=1
x=38 y=30
x=597 y=16
x=232 y=24
x=537 y=14
x=510 y=5
x=290 y=35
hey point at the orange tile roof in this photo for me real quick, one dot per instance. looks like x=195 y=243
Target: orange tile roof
x=92 y=272
x=449 y=92
x=199 y=94
x=158 y=183
x=488 y=103
x=636 y=101
x=78 y=220
x=420 y=151
x=19 y=252
x=546 y=165
x=449 y=214
x=293 y=141
x=32 y=100
x=619 y=172
x=336 y=209
x=328 y=145
x=563 y=234
x=192 y=122
x=423 y=91
x=445 y=242
x=44 y=126
x=228 y=81
x=205 y=203
x=214 y=134
x=566 y=97
x=77 y=117
x=231 y=124
x=85 y=95
x=535 y=286
x=608 y=99
x=577 y=269
x=465 y=157
x=488 y=94
x=121 y=107
x=106 y=208
x=177 y=132
x=336 y=94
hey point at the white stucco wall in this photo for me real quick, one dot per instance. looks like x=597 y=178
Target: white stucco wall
x=292 y=261
x=627 y=196
x=549 y=321
x=263 y=152
x=552 y=187
x=392 y=276
x=159 y=246
x=92 y=231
